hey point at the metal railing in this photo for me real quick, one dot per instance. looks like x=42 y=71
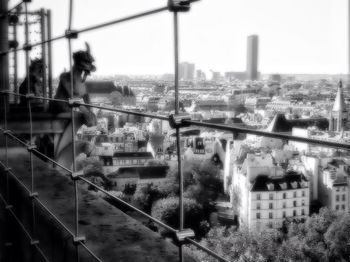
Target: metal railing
x=176 y=121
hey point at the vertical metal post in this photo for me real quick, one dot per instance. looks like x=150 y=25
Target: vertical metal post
x=6 y=150
x=15 y=65
x=76 y=199
x=4 y=85
x=49 y=53
x=32 y=186
x=43 y=49
x=4 y=77
x=178 y=144
x=348 y=27
x=4 y=63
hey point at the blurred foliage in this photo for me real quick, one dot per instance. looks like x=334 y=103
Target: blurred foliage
x=321 y=237
x=168 y=211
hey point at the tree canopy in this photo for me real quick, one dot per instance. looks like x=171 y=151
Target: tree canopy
x=321 y=237
x=167 y=210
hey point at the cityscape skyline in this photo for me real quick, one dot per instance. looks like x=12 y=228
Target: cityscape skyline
x=235 y=165
x=288 y=45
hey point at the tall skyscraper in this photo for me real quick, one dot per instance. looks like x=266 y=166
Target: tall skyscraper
x=186 y=71
x=200 y=75
x=252 y=57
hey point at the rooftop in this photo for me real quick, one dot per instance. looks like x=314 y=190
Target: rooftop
x=290 y=181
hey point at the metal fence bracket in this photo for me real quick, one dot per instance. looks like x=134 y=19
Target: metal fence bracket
x=179 y=5
x=78 y=240
x=177 y=121
x=182 y=235
x=31 y=147
x=71 y=34
x=34 y=195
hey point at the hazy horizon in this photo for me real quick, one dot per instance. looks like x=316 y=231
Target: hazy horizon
x=296 y=37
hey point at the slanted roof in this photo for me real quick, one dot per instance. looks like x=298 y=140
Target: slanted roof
x=143 y=172
x=340 y=181
x=101 y=87
x=290 y=181
x=149 y=172
x=133 y=154
x=280 y=124
x=337 y=163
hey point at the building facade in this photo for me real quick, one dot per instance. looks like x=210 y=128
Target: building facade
x=265 y=194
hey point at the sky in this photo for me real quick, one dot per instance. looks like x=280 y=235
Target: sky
x=296 y=36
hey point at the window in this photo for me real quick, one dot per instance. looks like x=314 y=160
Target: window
x=343 y=207
x=337 y=198
x=337 y=207
x=270 y=215
x=294 y=194
x=258 y=196
x=269 y=225
x=257 y=215
x=303 y=193
x=303 y=202
x=257 y=205
x=270 y=205
x=343 y=197
x=303 y=212
x=270 y=196
x=284 y=195
x=284 y=204
x=294 y=213
x=284 y=214
x=294 y=203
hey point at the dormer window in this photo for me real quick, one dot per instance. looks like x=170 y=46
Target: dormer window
x=283 y=186
x=304 y=184
x=270 y=186
x=294 y=184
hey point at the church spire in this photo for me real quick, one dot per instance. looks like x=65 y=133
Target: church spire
x=339 y=104
x=339 y=116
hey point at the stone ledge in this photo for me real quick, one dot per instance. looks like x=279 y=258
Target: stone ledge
x=111 y=234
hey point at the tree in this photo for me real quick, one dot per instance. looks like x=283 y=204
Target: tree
x=206 y=185
x=238 y=245
x=238 y=108
x=93 y=169
x=129 y=189
x=321 y=237
x=310 y=235
x=337 y=238
x=146 y=194
x=90 y=165
x=167 y=210
x=202 y=182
